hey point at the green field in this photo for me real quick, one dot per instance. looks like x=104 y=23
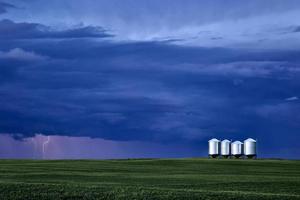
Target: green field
x=150 y=179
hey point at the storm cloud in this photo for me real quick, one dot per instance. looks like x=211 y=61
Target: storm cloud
x=143 y=90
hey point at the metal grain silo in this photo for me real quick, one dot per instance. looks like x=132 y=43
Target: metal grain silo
x=250 y=148
x=225 y=148
x=237 y=149
x=213 y=148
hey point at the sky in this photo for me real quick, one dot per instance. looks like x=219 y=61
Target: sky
x=136 y=79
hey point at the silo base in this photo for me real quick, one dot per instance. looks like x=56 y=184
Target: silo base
x=214 y=156
x=225 y=156
x=237 y=156
x=251 y=156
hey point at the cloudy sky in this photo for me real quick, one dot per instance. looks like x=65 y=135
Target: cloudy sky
x=119 y=79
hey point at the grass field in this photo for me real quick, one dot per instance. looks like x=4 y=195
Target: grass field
x=150 y=179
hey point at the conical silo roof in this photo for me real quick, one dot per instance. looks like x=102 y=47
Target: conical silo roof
x=225 y=140
x=214 y=140
x=237 y=142
x=250 y=140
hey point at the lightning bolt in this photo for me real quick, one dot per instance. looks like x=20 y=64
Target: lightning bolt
x=34 y=146
x=45 y=144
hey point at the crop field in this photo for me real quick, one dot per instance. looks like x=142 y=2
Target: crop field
x=149 y=179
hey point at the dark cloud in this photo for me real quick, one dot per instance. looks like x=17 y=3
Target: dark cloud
x=13 y=60
x=4 y=6
x=142 y=91
x=147 y=91
x=288 y=29
x=296 y=29
x=24 y=30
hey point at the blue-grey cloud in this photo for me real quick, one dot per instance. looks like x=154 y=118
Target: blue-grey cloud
x=194 y=23
x=296 y=29
x=5 y=6
x=292 y=99
x=20 y=54
x=24 y=30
